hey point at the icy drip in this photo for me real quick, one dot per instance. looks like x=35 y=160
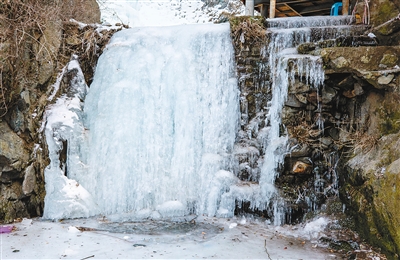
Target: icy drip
x=284 y=64
x=311 y=21
x=162 y=114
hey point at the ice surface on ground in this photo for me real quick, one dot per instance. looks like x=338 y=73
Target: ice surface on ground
x=136 y=13
x=205 y=238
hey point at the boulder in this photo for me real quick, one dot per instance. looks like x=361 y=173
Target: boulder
x=29 y=183
x=13 y=154
x=301 y=168
x=373 y=196
x=298 y=87
x=292 y=101
x=85 y=11
x=328 y=94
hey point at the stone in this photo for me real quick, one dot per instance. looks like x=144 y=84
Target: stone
x=328 y=94
x=334 y=133
x=358 y=89
x=29 y=183
x=346 y=82
x=51 y=40
x=372 y=179
x=292 y=101
x=302 y=98
x=301 y=168
x=85 y=11
x=394 y=167
x=385 y=79
x=313 y=97
x=17 y=121
x=348 y=60
x=389 y=60
x=340 y=62
x=13 y=154
x=349 y=93
x=300 y=150
x=326 y=141
x=298 y=87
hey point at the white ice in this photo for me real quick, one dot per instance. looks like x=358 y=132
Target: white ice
x=63 y=126
x=162 y=114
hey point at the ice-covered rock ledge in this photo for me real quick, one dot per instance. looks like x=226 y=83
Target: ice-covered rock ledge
x=64 y=130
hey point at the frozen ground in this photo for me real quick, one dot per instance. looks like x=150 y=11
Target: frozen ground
x=209 y=238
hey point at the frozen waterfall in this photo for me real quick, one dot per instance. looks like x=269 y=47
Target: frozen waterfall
x=160 y=122
x=162 y=113
x=156 y=137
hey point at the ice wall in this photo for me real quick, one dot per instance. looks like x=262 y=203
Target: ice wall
x=162 y=114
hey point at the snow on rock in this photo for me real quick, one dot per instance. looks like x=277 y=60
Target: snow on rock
x=166 y=12
x=311 y=230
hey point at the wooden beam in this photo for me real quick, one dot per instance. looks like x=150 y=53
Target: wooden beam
x=272 y=6
x=314 y=9
x=294 y=11
x=345 y=7
x=258 y=2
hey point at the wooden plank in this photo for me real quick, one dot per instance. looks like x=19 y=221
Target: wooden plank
x=294 y=11
x=315 y=9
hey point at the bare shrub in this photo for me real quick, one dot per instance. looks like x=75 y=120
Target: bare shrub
x=22 y=23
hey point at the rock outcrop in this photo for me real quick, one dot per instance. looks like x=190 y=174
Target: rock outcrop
x=28 y=85
x=343 y=137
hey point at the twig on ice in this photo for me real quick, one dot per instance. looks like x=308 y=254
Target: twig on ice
x=87 y=257
x=266 y=250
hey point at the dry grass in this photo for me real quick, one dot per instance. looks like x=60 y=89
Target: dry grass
x=248 y=30
x=23 y=42
x=302 y=132
x=364 y=142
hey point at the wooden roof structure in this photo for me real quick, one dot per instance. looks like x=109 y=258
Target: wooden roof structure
x=289 y=8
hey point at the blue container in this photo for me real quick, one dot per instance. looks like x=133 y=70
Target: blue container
x=336 y=7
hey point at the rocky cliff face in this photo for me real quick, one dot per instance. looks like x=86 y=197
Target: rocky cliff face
x=369 y=178
x=369 y=172
x=350 y=164
x=37 y=41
